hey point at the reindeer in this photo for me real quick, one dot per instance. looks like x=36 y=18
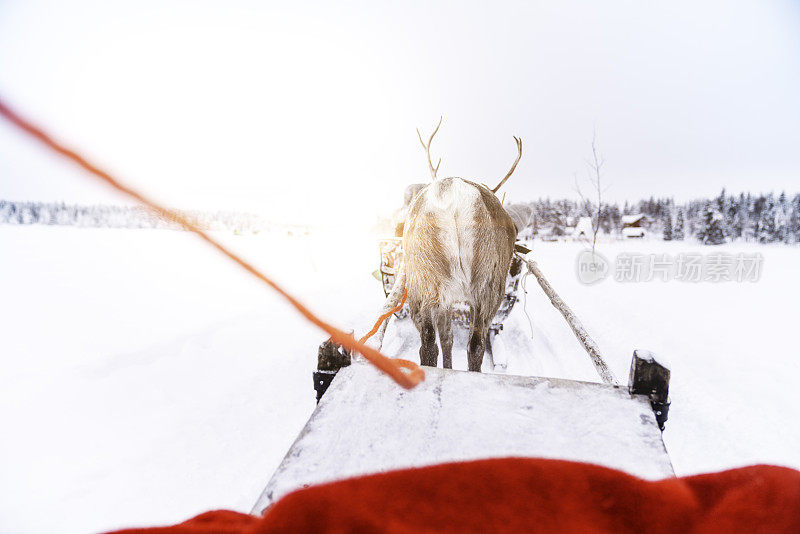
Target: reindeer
x=458 y=243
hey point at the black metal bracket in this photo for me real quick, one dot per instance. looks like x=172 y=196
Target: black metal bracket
x=522 y=249
x=322 y=379
x=330 y=358
x=650 y=377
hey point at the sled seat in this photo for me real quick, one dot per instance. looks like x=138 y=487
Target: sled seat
x=365 y=423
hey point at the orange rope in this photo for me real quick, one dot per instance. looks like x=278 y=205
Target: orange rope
x=383 y=318
x=392 y=366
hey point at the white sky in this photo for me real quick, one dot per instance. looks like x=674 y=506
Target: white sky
x=307 y=110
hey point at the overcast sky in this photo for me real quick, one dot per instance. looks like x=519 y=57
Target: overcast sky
x=301 y=110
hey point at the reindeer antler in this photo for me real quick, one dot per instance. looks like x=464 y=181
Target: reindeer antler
x=514 y=166
x=428 y=149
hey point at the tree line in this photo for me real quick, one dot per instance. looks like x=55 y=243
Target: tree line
x=763 y=218
x=110 y=216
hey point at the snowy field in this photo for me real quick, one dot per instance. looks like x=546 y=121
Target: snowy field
x=144 y=378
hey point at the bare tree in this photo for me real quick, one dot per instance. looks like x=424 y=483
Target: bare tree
x=595 y=165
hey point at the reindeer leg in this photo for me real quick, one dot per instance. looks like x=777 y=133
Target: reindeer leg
x=475 y=350
x=444 y=324
x=477 y=341
x=428 y=351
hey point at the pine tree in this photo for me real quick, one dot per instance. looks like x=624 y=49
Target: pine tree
x=737 y=217
x=668 y=228
x=749 y=215
x=794 y=220
x=728 y=210
x=782 y=219
x=710 y=226
x=677 y=233
x=766 y=231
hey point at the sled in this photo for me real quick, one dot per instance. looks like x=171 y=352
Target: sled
x=364 y=423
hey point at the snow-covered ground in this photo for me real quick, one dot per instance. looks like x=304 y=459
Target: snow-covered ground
x=144 y=378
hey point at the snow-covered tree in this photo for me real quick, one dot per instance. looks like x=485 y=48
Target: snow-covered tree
x=765 y=227
x=27 y=214
x=782 y=219
x=793 y=226
x=710 y=226
x=725 y=205
x=738 y=217
x=677 y=232
x=668 y=228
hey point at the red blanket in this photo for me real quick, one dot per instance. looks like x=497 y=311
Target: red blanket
x=525 y=495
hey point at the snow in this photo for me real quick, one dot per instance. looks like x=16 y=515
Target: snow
x=630 y=219
x=731 y=346
x=457 y=416
x=144 y=379
x=649 y=356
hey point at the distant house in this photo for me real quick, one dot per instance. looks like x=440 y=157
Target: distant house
x=633 y=225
